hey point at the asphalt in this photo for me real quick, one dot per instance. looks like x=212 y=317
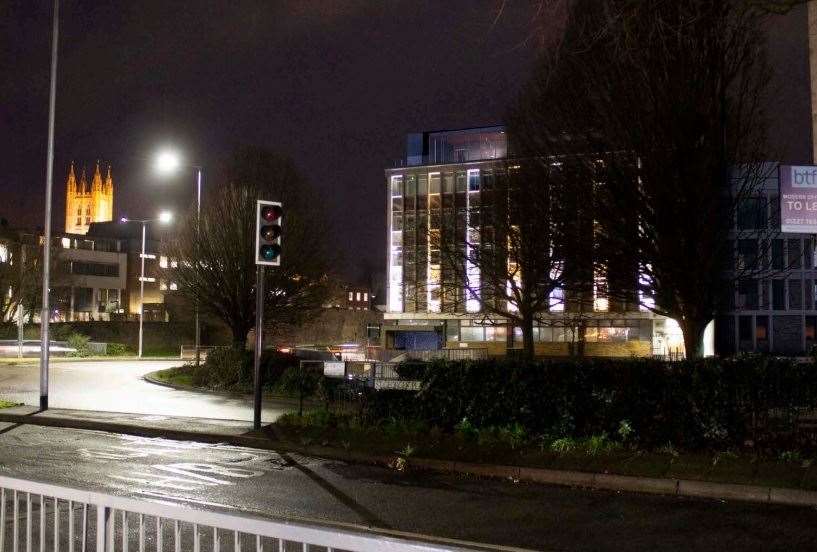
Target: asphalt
x=118 y=386
x=263 y=482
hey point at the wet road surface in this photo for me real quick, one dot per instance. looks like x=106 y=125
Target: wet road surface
x=118 y=386
x=497 y=512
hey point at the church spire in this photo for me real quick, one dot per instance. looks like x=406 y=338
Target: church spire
x=83 y=182
x=71 y=185
x=108 y=182
x=96 y=185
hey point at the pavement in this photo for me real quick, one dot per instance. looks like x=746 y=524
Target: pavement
x=277 y=484
x=118 y=386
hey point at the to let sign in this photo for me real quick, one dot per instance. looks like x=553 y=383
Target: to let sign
x=798 y=199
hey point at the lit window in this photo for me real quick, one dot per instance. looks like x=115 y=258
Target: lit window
x=600 y=301
x=473 y=180
x=357 y=296
x=351 y=296
x=396 y=186
x=173 y=286
x=4 y=253
x=66 y=243
x=645 y=298
x=174 y=263
x=557 y=300
x=365 y=296
x=162 y=285
x=163 y=261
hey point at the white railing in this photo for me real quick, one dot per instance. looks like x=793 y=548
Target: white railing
x=51 y=517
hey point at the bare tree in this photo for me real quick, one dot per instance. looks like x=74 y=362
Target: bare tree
x=659 y=106
x=504 y=259
x=217 y=263
x=21 y=273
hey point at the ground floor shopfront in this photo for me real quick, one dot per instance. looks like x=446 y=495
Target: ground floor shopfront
x=625 y=335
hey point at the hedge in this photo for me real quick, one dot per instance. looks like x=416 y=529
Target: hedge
x=692 y=404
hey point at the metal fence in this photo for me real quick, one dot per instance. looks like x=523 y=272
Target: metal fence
x=39 y=516
x=400 y=355
x=189 y=351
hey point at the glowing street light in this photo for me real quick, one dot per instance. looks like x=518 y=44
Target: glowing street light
x=163 y=218
x=167 y=163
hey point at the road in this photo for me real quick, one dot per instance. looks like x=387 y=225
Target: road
x=497 y=512
x=117 y=386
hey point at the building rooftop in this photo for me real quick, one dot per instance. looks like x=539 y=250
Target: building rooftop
x=440 y=147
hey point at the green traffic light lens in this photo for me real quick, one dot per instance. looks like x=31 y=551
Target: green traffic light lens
x=270 y=252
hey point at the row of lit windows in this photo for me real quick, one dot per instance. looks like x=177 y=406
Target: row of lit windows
x=594 y=331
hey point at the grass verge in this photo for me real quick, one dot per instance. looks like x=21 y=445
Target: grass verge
x=181 y=375
x=596 y=454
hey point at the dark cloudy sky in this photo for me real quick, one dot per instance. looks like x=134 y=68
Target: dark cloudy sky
x=335 y=84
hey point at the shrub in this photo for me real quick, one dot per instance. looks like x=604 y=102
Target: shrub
x=466 y=430
x=563 y=445
x=227 y=368
x=411 y=370
x=116 y=349
x=224 y=368
x=294 y=381
x=79 y=342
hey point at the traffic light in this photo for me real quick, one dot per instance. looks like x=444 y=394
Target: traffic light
x=268 y=219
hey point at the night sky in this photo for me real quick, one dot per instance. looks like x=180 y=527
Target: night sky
x=334 y=84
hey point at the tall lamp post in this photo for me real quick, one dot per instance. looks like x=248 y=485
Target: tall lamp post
x=45 y=314
x=164 y=217
x=168 y=162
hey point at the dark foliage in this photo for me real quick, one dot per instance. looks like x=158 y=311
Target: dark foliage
x=229 y=368
x=692 y=404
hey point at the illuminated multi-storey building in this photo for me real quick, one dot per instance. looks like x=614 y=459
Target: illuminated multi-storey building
x=444 y=176
x=85 y=204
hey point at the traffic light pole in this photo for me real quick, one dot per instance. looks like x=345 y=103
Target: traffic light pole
x=259 y=343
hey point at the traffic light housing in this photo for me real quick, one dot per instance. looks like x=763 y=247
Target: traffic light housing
x=268 y=229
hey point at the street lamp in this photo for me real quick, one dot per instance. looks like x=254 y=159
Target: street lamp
x=45 y=313
x=164 y=218
x=167 y=163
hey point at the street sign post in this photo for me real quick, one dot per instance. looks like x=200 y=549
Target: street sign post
x=268 y=218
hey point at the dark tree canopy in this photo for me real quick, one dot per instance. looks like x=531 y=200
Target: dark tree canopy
x=217 y=265
x=656 y=106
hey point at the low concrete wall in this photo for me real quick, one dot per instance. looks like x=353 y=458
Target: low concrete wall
x=159 y=337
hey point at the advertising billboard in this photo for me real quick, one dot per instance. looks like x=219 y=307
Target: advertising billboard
x=798 y=199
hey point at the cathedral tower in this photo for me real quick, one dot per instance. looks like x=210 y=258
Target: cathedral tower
x=84 y=204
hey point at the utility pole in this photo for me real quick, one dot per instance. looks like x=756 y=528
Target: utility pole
x=45 y=314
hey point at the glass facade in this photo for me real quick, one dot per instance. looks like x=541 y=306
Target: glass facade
x=440 y=209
